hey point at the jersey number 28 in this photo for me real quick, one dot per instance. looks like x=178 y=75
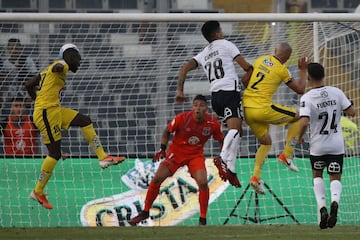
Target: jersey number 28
x=215 y=69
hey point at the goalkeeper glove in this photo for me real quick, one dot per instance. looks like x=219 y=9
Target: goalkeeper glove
x=160 y=154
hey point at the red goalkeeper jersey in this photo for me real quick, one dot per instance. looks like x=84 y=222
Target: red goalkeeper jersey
x=190 y=136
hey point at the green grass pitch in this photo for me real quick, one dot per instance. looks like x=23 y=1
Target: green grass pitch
x=253 y=232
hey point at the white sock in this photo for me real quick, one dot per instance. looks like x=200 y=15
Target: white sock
x=335 y=189
x=226 y=148
x=234 y=149
x=229 y=137
x=319 y=190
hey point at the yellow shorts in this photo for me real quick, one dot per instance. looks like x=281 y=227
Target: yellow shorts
x=51 y=121
x=259 y=119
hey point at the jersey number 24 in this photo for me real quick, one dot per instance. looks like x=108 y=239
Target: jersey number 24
x=325 y=117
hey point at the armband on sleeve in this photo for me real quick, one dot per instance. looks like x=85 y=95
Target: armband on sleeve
x=163 y=147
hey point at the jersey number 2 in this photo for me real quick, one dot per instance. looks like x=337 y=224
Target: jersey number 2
x=260 y=77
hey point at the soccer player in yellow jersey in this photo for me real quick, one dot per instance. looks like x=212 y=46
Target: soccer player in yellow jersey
x=350 y=132
x=260 y=111
x=50 y=117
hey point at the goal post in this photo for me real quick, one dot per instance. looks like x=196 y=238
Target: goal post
x=126 y=84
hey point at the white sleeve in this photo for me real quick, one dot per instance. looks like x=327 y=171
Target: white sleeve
x=198 y=58
x=233 y=50
x=345 y=102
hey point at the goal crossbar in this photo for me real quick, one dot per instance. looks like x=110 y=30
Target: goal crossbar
x=177 y=17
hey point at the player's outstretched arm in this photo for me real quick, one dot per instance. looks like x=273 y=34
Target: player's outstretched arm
x=246 y=77
x=187 y=67
x=298 y=86
x=248 y=68
x=350 y=111
x=164 y=141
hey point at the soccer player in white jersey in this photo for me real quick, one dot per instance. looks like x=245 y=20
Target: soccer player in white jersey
x=217 y=60
x=321 y=108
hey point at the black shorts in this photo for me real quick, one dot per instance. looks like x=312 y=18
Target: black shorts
x=226 y=104
x=333 y=163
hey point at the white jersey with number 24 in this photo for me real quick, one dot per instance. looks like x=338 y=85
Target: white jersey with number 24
x=324 y=106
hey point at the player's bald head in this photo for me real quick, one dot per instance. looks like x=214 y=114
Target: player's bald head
x=283 y=51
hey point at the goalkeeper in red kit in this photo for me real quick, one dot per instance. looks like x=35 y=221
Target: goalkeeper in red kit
x=191 y=130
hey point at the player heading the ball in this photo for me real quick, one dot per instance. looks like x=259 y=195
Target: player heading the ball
x=50 y=117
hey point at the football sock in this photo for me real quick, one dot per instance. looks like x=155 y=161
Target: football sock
x=335 y=189
x=152 y=193
x=94 y=141
x=226 y=148
x=291 y=139
x=234 y=149
x=260 y=157
x=203 y=201
x=319 y=190
x=47 y=168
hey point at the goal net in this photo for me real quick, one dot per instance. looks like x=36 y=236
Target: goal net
x=126 y=84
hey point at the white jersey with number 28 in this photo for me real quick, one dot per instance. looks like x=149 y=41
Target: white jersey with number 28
x=217 y=61
x=324 y=106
